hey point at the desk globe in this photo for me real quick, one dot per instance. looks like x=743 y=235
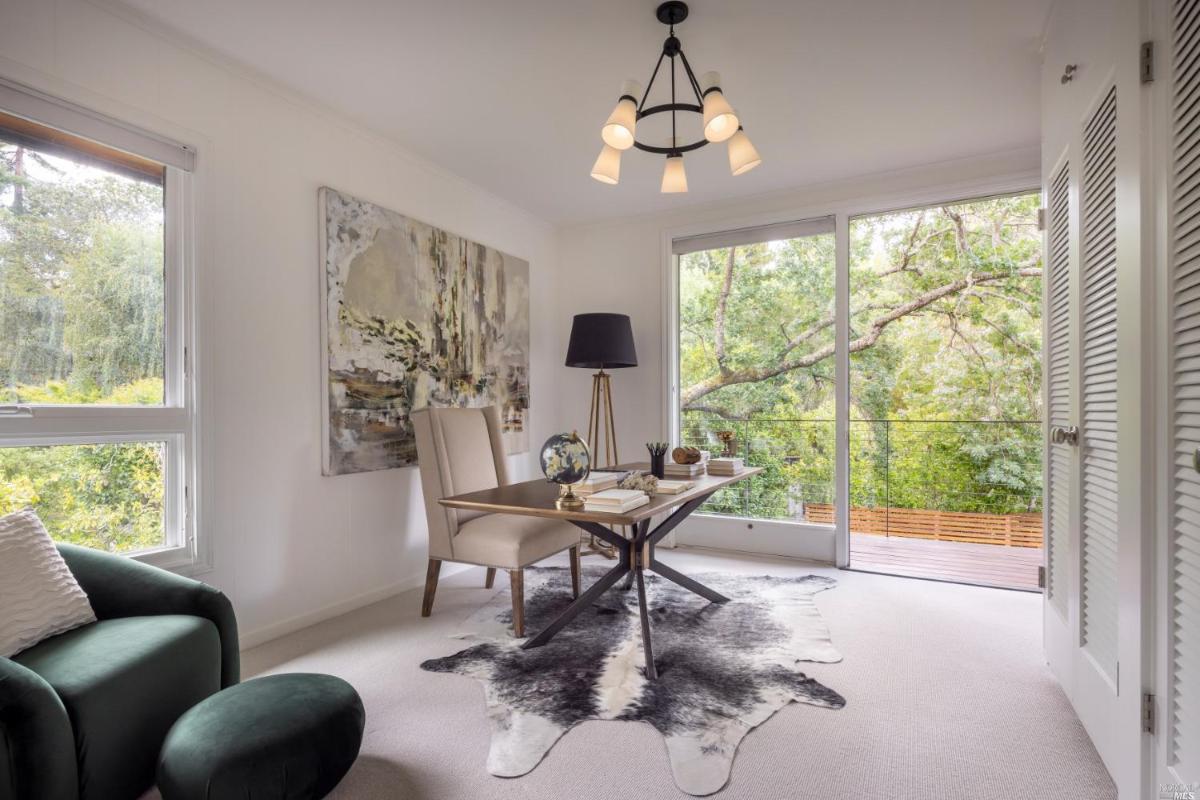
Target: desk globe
x=566 y=460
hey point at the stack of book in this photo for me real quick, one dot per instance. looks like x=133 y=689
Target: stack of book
x=597 y=482
x=725 y=466
x=683 y=471
x=673 y=487
x=615 y=501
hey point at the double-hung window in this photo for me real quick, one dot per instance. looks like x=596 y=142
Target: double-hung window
x=97 y=402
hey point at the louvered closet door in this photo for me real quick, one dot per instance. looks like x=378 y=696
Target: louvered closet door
x=1182 y=700
x=1060 y=461
x=1098 y=411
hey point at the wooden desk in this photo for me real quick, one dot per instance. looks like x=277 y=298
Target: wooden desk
x=635 y=554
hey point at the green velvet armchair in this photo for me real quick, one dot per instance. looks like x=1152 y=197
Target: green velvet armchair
x=83 y=714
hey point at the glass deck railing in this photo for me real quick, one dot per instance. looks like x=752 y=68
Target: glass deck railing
x=961 y=480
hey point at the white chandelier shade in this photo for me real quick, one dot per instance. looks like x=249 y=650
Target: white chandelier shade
x=674 y=178
x=607 y=168
x=619 y=130
x=719 y=121
x=742 y=155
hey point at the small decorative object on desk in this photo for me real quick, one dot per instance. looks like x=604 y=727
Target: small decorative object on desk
x=658 y=456
x=686 y=455
x=566 y=460
x=726 y=438
x=639 y=481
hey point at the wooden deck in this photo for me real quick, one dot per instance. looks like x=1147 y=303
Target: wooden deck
x=983 y=564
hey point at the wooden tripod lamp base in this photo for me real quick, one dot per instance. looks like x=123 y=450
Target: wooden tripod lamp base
x=601 y=416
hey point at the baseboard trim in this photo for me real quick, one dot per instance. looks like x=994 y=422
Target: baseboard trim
x=759 y=536
x=275 y=630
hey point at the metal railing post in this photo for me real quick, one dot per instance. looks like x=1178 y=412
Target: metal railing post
x=887 y=478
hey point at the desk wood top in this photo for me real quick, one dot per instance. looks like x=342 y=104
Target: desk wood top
x=536 y=498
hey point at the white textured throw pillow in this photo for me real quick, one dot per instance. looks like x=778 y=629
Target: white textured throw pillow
x=39 y=597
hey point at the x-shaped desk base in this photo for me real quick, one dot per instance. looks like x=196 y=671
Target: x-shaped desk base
x=635 y=556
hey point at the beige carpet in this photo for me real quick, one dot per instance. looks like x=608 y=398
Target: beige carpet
x=947 y=697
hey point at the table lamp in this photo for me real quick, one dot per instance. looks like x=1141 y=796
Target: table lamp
x=601 y=341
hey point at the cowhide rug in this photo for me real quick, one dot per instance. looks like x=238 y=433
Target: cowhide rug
x=723 y=669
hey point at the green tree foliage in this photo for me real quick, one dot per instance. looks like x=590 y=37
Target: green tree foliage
x=108 y=496
x=945 y=342
x=81 y=322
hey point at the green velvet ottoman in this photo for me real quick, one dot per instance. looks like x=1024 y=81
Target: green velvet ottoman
x=282 y=737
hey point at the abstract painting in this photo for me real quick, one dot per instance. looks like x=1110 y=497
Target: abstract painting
x=414 y=317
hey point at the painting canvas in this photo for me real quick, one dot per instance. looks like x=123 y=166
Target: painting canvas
x=414 y=317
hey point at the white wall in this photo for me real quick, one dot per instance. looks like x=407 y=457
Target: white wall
x=620 y=265
x=289 y=545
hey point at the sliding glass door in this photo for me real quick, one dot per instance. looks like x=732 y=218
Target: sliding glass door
x=919 y=339
x=945 y=349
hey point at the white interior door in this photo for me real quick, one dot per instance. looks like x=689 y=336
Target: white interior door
x=1081 y=510
x=1097 y=664
x=1179 y=602
x=1098 y=376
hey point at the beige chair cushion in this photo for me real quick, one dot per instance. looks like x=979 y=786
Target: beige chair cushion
x=511 y=541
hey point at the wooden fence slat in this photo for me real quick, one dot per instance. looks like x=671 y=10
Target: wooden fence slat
x=1005 y=530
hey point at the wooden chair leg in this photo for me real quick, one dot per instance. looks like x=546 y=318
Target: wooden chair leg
x=575 y=571
x=516 y=579
x=431 y=579
x=490 y=579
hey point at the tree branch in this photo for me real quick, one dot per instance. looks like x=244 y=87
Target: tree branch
x=754 y=374
x=719 y=316
x=720 y=412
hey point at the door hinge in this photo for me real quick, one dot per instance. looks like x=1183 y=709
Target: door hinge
x=1146 y=62
x=1148 y=715
x=1041 y=219
x=1041 y=577
x=187 y=366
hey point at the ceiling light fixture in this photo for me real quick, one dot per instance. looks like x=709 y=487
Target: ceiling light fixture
x=720 y=121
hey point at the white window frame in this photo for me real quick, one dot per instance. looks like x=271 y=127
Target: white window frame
x=175 y=422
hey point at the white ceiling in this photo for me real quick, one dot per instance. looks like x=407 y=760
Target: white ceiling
x=511 y=94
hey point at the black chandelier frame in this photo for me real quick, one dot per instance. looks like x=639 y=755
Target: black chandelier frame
x=671 y=13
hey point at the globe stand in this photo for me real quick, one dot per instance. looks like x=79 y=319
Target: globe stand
x=568 y=500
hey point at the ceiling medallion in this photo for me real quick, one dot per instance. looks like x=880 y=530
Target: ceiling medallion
x=720 y=121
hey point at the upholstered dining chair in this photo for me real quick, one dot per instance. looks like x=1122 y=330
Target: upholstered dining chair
x=459 y=450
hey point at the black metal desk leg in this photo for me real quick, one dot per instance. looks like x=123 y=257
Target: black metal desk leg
x=686 y=582
x=639 y=533
x=644 y=608
x=662 y=569
x=594 y=591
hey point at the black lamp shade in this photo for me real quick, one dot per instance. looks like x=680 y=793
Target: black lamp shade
x=601 y=341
